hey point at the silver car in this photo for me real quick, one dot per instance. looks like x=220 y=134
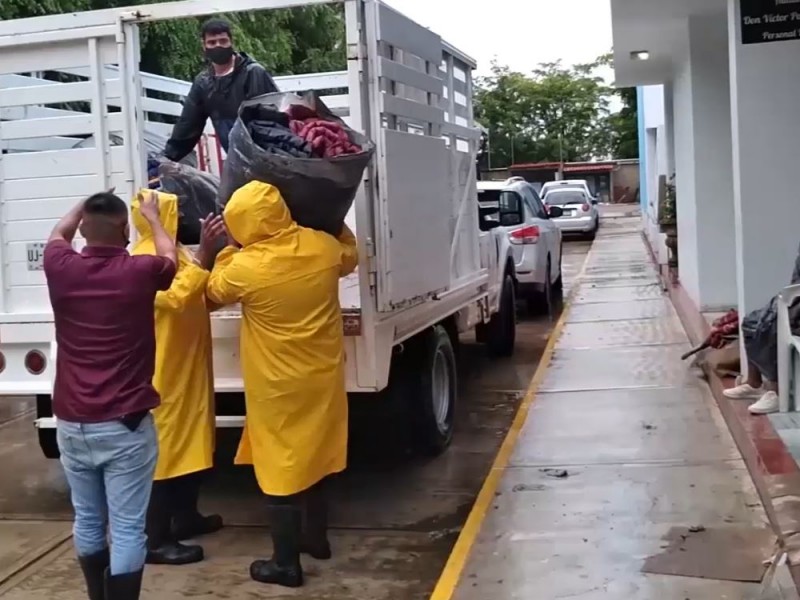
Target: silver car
x=580 y=214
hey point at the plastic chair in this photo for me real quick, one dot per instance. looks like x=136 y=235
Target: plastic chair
x=788 y=351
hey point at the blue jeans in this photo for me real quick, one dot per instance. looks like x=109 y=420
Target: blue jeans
x=110 y=470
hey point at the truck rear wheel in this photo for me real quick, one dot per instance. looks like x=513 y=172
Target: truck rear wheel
x=434 y=399
x=500 y=333
x=415 y=414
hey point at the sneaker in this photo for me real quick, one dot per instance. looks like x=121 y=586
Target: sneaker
x=767 y=405
x=744 y=392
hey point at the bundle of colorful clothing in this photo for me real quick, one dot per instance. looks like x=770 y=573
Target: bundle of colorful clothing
x=299 y=134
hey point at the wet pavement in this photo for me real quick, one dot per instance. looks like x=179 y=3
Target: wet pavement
x=642 y=445
x=395 y=519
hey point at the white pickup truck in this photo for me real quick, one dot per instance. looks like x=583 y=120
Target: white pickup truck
x=426 y=274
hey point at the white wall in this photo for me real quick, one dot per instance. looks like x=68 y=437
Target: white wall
x=704 y=177
x=685 y=157
x=765 y=101
x=655 y=155
x=653 y=96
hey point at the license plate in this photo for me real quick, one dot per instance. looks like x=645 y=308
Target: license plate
x=569 y=213
x=35 y=256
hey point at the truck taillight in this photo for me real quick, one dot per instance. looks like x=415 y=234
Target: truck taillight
x=586 y=208
x=526 y=235
x=35 y=362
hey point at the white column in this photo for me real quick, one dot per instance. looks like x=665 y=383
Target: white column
x=704 y=178
x=765 y=107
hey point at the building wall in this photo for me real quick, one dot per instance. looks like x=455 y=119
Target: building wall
x=643 y=145
x=627 y=181
x=653 y=163
x=703 y=169
x=765 y=88
x=713 y=159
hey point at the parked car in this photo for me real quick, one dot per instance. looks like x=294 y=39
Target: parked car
x=579 y=211
x=569 y=184
x=535 y=239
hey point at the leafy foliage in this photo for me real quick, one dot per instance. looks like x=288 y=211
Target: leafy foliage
x=556 y=113
x=285 y=41
x=624 y=126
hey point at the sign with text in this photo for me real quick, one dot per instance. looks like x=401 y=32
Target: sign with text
x=770 y=21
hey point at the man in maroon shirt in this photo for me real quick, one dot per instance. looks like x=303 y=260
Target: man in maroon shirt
x=103 y=307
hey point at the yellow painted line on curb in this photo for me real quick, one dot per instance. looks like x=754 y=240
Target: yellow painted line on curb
x=451 y=575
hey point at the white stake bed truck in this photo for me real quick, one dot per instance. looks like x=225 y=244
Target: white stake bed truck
x=427 y=272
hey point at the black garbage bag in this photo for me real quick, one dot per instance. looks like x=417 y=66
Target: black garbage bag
x=318 y=191
x=198 y=196
x=760 y=331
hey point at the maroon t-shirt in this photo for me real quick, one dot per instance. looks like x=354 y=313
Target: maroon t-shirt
x=103 y=309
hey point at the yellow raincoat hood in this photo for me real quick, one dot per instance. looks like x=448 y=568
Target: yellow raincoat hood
x=184 y=380
x=168 y=215
x=257 y=212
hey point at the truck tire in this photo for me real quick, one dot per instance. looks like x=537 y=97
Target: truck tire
x=435 y=397
x=47 y=437
x=414 y=415
x=501 y=331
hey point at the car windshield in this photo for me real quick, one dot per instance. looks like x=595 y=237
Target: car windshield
x=565 y=198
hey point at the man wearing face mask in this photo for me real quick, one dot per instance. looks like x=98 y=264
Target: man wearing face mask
x=230 y=79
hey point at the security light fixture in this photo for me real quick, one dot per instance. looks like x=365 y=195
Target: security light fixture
x=640 y=55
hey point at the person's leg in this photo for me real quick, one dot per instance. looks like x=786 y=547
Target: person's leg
x=89 y=502
x=751 y=389
x=162 y=547
x=188 y=522
x=284 y=567
x=754 y=378
x=314 y=537
x=130 y=462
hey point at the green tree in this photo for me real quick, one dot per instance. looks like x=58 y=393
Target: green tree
x=286 y=41
x=555 y=113
x=624 y=126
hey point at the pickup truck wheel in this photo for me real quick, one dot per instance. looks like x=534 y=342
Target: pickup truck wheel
x=433 y=415
x=48 y=443
x=501 y=331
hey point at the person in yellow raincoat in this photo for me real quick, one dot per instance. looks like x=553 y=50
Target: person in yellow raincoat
x=184 y=379
x=286 y=278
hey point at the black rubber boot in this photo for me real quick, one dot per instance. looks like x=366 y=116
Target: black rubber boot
x=123 y=587
x=94 y=572
x=314 y=536
x=284 y=568
x=187 y=527
x=188 y=523
x=162 y=547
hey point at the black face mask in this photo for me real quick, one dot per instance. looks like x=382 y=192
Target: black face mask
x=219 y=55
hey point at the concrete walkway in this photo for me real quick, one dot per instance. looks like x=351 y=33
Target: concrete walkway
x=643 y=444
